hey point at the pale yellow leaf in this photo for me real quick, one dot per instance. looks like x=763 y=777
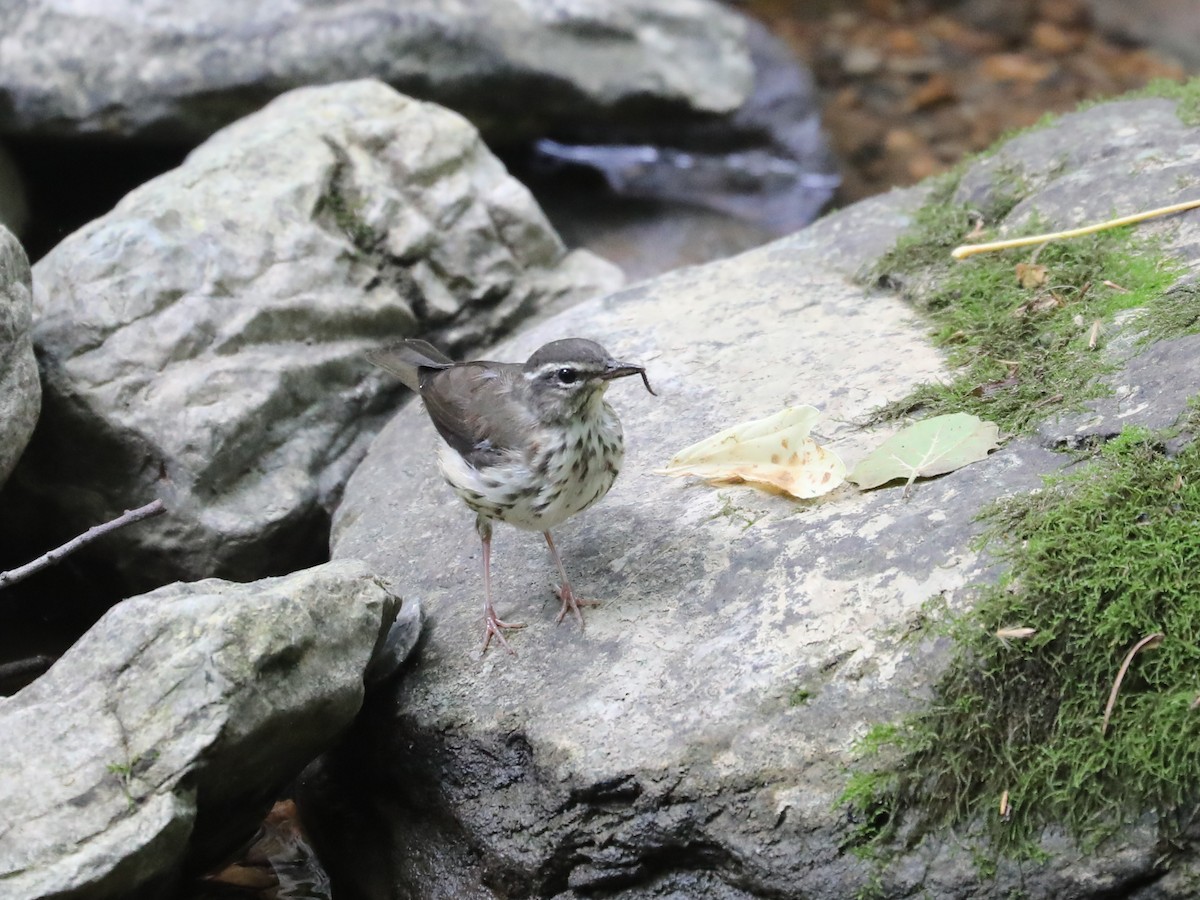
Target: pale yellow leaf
x=1013 y=633
x=1030 y=275
x=775 y=452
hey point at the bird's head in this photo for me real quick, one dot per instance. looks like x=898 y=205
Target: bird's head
x=565 y=376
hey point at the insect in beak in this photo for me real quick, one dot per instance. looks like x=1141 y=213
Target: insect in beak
x=620 y=370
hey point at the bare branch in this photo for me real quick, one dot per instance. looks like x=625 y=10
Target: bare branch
x=971 y=249
x=130 y=516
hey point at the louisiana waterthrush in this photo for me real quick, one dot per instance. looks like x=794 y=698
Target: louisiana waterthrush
x=530 y=445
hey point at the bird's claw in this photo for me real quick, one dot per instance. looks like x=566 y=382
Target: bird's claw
x=572 y=603
x=493 y=628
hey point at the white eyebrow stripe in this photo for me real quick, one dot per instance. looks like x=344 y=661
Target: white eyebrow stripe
x=551 y=368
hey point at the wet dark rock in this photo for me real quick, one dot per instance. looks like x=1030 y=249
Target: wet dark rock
x=694 y=740
x=156 y=743
x=203 y=341
x=767 y=164
x=645 y=237
x=14 y=206
x=20 y=390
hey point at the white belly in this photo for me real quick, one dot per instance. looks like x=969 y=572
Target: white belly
x=542 y=489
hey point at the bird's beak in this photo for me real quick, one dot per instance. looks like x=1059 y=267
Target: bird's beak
x=616 y=369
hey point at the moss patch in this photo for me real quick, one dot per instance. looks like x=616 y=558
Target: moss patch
x=1021 y=348
x=1023 y=351
x=1098 y=560
x=799 y=696
x=1011 y=741
x=1174 y=314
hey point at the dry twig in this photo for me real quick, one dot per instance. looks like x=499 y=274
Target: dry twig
x=130 y=516
x=1150 y=641
x=971 y=249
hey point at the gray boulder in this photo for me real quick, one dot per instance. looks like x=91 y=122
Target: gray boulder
x=203 y=341
x=184 y=69
x=694 y=740
x=160 y=738
x=20 y=389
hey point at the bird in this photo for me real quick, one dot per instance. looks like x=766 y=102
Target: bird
x=528 y=444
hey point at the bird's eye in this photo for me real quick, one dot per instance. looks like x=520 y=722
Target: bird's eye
x=566 y=376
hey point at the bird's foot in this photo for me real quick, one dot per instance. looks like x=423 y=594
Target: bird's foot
x=571 y=603
x=493 y=627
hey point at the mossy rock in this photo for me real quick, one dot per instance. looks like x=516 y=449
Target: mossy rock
x=1091 y=347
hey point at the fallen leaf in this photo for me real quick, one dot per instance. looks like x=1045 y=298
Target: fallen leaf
x=929 y=447
x=1004 y=635
x=1015 y=67
x=1031 y=276
x=994 y=387
x=774 y=452
x=936 y=89
x=1039 y=304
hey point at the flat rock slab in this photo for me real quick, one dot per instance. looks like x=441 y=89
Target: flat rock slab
x=181 y=70
x=694 y=740
x=160 y=738
x=675 y=707
x=203 y=342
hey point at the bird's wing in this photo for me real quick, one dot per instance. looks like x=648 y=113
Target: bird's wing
x=406 y=358
x=470 y=406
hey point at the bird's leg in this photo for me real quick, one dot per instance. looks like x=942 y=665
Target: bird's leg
x=565 y=594
x=492 y=622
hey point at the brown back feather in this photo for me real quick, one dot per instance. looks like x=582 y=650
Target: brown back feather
x=405 y=359
x=468 y=403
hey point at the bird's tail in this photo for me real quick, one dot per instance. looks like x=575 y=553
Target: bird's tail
x=405 y=358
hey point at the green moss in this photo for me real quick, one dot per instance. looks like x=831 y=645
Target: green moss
x=1174 y=314
x=1016 y=369
x=1019 y=352
x=1098 y=560
x=344 y=211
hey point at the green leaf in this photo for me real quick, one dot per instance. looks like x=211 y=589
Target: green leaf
x=930 y=447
